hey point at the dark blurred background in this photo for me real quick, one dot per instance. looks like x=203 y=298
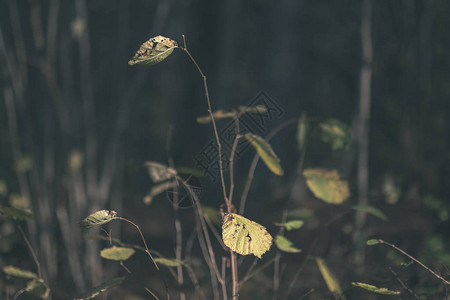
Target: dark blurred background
x=77 y=124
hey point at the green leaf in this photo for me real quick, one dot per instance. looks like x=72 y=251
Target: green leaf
x=98 y=218
x=302 y=130
x=153 y=51
x=375 y=289
x=330 y=279
x=213 y=215
x=20 y=214
x=336 y=133
x=371 y=210
x=191 y=171
x=38 y=288
x=301 y=213
x=285 y=245
x=294 y=224
x=117 y=253
x=327 y=185
x=158 y=189
x=372 y=242
x=266 y=153
x=17 y=272
x=169 y=262
x=259 y=109
x=159 y=172
x=244 y=236
x=103 y=287
x=218 y=114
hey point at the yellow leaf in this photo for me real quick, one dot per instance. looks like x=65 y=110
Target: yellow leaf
x=330 y=279
x=266 y=153
x=327 y=185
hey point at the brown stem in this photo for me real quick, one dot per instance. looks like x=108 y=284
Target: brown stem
x=33 y=254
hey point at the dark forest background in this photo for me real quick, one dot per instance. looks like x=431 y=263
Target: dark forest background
x=77 y=124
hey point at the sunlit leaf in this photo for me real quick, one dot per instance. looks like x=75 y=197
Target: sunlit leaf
x=17 y=272
x=259 y=109
x=103 y=287
x=117 y=253
x=372 y=242
x=327 y=185
x=19 y=214
x=294 y=224
x=159 y=172
x=285 y=245
x=302 y=130
x=244 y=236
x=375 y=289
x=98 y=218
x=38 y=288
x=218 y=114
x=158 y=189
x=153 y=51
x=213 y=214
x=266 y=153
x=169 y=262
x=371 y=210
x=336 y=133
x=330 y=279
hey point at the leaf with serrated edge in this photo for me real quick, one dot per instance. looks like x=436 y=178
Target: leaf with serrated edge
x=375 y=289
x=169 y=262
x=17 y=272
x=330 y=279
x=327 y=185
x=244 y=236
x=266 y=153
x=294 y=224
x=371 y=210
x=117 y=253
x=159 y=172
x=285 y=245
x=98 y=218
x=103 y=287
x=153 y=51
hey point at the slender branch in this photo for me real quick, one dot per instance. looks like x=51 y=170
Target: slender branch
x=224 y=270
x=33 y=254
x=232 y=156
x=219 y=145
x=403 y=284
x=414 y=259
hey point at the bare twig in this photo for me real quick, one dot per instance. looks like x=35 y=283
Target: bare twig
x=414 y=259
x=33 y=254
x=403 y=284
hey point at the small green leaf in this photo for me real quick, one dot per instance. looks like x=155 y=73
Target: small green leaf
x=244 y=236
x=158 y=189
x=191 y=171
x=259 y=109
x=218 y=114
x=117 y=253
x=327 y=185
x=38 y=288
x=294 y=224
x=213 y=215
x=375 y=289
x=372 y=242
x=285 y=245
x=19 y=214
x=153 y=51
x=266 y=153
x=301 y=213
x=103 y=287
x=17 y=272
x=336 y=133
x=98 y=218
x=159 y=172
x=330 y=279
x=302 y=130
x=169 y=262
x=371 y=210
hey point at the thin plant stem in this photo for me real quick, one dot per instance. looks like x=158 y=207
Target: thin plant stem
x=232 y=156
x=224 y=270
x=251 y=171
x=219 y=145
x=414 y=259
x=33 y=254
x=403 y=284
